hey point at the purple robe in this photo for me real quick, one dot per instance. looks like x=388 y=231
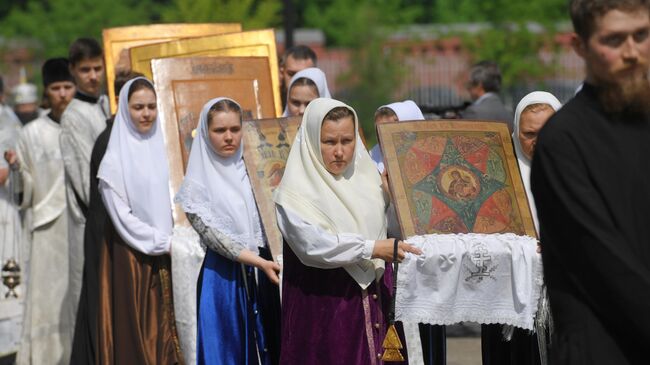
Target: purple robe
x=328 y=319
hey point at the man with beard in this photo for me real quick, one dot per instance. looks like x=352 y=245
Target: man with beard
x=82 y=122
x=591 y=183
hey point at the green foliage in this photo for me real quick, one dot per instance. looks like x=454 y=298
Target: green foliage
x=353 y=23
x=515 y=49
x=374 y=76
x=375 y=71
x=253 y=14
x=507 y=39
x=57 y=23
x=455 y=11
x=362 y=25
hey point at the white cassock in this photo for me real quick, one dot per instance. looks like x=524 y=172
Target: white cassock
x=12 y=244
x=82 y=122
x=10 y=231
x=47 y=328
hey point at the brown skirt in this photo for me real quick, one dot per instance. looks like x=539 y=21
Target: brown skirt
x=136 y=317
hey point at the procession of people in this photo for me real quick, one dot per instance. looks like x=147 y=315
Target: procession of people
x=90 y=194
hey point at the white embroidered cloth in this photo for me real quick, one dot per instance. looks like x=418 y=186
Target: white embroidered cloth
x=187 y=257
x=482 y=278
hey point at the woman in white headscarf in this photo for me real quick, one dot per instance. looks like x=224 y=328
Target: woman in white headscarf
x=331 y=211
x=136 y=317
x=432 y=338
x=217 y=197
x=533 y=111
x=403 y=111
x=305 y=86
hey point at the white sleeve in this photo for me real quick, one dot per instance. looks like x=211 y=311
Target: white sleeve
x=133 y=231
x=317 y=248
x=76 y=147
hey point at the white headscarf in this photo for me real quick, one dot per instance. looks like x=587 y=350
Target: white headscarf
x=536 y=97
x=135 y=167
x=218 y=189
x=352 y=202
x=405 y=111
x=314 y=74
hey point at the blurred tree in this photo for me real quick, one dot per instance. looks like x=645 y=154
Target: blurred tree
x=362 y=25
x=57 y=23
x=351 y=23
x=516 y=49
x=375 y=70
x=253 y=14
x=514 y=35
x=460 y=11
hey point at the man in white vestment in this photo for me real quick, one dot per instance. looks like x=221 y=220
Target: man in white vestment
x=82 y=122
x=47 y=328
x=11 y=244
x=9 y=219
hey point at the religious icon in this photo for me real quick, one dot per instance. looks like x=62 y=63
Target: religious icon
x=257 y=43
x=117 y=42
x=455 y=177
x=267 y=143
x=188 y=83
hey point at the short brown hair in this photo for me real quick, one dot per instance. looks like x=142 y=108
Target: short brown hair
x=585 y=12
x=84 y=49
x=339 y=113
x=299 y=52
x=122 y=77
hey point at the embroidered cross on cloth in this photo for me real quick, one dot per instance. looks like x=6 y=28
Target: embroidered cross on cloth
x=484 y=278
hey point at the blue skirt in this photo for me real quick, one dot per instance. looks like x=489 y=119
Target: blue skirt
x=229 y=325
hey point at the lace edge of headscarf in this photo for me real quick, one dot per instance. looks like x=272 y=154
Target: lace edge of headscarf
x=194 y=199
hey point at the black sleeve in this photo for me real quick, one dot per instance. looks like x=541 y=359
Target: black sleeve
x=579 y=236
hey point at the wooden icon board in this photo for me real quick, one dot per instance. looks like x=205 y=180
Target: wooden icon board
x=267 y=143
x=455 y=177
x=184 y=85
x=118 y=41
x=259 y=43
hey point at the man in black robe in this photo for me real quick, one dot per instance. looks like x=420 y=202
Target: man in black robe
x=591 y=183
x=85 y=336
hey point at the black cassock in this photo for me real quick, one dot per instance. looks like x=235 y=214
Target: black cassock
x=591 y=182
x=85 y=334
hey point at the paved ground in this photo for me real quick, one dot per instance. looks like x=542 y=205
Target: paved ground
x=460 y=351
x=463 y=351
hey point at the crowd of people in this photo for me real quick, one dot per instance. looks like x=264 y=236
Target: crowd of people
x=90 y=191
